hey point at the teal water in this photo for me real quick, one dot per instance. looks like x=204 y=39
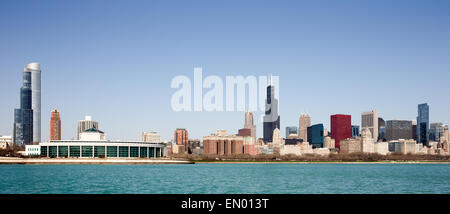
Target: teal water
x=226 y=178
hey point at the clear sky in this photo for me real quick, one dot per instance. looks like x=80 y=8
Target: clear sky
x=114 y=60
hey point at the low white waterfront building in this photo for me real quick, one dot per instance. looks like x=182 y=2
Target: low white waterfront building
x=32 y=150
x=101 y=149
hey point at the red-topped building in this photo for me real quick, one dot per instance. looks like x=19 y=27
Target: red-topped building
x=341 y=128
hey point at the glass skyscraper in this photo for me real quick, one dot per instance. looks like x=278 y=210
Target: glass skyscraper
x=271 y=118
x=423 y=123
x=23 y=116
x=315 y=135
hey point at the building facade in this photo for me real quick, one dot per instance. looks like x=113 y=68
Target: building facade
x=303 y=124
x=55 y=125
x=370 y=120
x=86 y=124
x=271 y=120
x=249 y=124
x=35 y=69
x=181 y=138
x=399 y=129
x=101 y=149
x=437 y=131
x=5 y=142
x=223 y=144
x=315 y=135
x=341 y=128
x=151 y=137
x=92 y=134
x=423 y=123
x=23 y=116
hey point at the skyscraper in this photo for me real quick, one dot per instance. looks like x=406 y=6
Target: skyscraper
x=55 y=125
x=86 y=124
x=181 y=138
x=271 y=118
x=303 y=124
x=35 y=69
x=381 y=129
x=249 y=124
x=437 y=131
x=23 y=116
x=341 y=128
x=370 y=120
x=399 y=129
x=315 y=135
x=423 y=123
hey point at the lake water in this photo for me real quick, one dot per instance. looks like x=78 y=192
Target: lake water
x=226 y=178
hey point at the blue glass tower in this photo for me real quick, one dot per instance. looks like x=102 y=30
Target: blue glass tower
x=23 y=116
x=423 y=123
x=315 y=135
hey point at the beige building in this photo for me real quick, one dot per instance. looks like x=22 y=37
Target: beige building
x=178 y=149
x=328 y=142
x=86 y=124
x=382 y=148
x=249 y=124
x=5 y=142
x=291 y=150
x=408 y=147
x=364 y=144
x=367 y=142
x=370 y=120
x=151 y=137
x=276 y=138
x=350 y=145
x=304 y=123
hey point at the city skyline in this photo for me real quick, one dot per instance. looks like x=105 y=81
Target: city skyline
x=323 y=70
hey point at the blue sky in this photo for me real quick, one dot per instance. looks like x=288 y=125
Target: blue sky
x=114 y=60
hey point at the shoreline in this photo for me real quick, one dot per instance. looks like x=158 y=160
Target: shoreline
x=322 y=162
x=121 y=161
x=87 y=161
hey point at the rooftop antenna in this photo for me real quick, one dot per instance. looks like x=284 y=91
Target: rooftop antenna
x=270 y=82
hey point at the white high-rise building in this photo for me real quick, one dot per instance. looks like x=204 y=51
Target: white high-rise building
x=369 y=120
x=304 y=123
x=86 y=124
x=35 y=69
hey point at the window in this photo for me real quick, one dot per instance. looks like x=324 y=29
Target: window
x=99 y=151
x=112 y=151
x=86 y=151
x=152 y=152
x=74 y=151
x=144 y=152
x=43 y=151
x=52 y=151
x=158 y=150
x=63 y=151
x=134 y=152
x=123 y=151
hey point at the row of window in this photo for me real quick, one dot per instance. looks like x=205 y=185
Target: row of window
x=99 y=151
